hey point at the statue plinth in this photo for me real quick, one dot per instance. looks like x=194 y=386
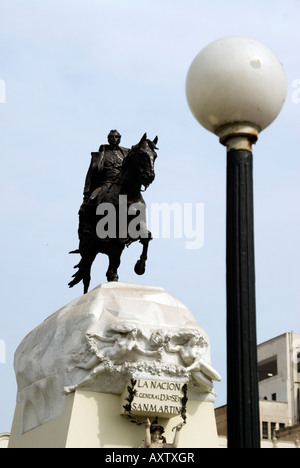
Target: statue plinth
x=120 y=353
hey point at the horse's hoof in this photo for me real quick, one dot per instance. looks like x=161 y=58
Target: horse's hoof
x=112 y=277
x=140 y=267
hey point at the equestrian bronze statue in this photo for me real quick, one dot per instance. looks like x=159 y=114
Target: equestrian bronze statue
x=113 y=212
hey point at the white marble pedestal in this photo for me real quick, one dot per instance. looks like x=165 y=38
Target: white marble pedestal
x=73 y=369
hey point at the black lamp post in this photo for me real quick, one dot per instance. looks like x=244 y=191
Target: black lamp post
x=235 y=88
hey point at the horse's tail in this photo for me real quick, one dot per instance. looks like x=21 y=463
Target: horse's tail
x=78 y=276
x=84 y=270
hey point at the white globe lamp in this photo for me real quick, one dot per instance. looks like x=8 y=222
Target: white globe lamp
x=236 y=85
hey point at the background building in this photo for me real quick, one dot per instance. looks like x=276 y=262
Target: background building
x=279 y=391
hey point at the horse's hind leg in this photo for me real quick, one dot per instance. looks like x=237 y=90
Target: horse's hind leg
x=114 y=262
x=86 y=277
x=140 y=266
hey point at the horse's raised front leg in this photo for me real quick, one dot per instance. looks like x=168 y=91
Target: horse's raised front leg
x=140 y=266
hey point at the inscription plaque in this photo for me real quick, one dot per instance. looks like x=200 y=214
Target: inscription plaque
x=156 y=397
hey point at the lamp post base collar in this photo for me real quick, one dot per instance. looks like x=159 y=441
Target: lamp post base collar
x=238 y=136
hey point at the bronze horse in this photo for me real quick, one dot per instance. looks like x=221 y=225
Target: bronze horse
x=125 y=194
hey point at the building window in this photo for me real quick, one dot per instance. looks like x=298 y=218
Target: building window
x=273 y=429
x=274 y=397
x=267 y=368
x=298 y=362
x=265 y=430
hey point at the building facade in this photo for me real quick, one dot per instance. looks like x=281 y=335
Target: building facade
x=279 y=383
x=279 y=391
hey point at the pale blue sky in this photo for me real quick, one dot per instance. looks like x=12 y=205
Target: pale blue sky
x=75 y=69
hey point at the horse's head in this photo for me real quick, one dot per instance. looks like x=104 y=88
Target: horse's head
x=145 y=159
